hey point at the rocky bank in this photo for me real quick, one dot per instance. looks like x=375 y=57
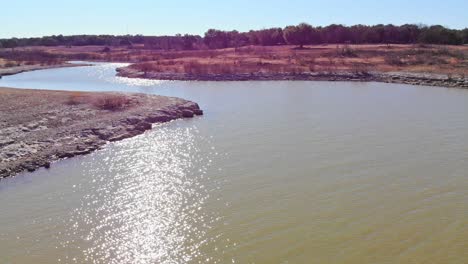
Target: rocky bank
x=38 y=127
x=427 y=79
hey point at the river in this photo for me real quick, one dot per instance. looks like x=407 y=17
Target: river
x=274 y=172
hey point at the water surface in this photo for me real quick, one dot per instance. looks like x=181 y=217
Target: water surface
x=274 y=172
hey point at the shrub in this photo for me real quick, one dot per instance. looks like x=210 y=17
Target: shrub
x=111 y=102
x=10 y=64
x=75 y=99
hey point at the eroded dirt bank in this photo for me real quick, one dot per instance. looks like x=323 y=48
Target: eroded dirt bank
x=38 y=127
x=428 y=79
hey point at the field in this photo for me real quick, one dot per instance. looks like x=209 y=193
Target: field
x=450 y=60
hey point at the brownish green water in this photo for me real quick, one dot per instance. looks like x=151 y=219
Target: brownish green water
x=275 y=172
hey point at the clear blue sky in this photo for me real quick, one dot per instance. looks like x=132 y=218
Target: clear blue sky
x=28 y=18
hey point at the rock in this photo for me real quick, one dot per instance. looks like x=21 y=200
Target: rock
x=198 y=112
x=29 y=166
x=155 y=118
x=132 y=120
x=120 y=137
x=32 y=125
x=80 y=147
x=5 y=142
x=10 y=154
x=65 y=120
x=143 y=126
x=103 y=134
x=63 y=155
x=82 y=152
x=187 y=113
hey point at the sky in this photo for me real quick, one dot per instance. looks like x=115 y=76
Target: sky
x=34 y=18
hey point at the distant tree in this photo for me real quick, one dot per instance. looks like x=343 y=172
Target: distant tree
x=357 y=33
x=11 y=43
x=125 y=42
x=49 y=41
x=216 y=39
x=233 y=38
x=440 y=35
x=464 y=34
x=298 y=35
x=411 y=32
x=240 y=39
x=189 y=41
x=252 y=37
x=391 y=34
x=336 y=34
x=268 y=37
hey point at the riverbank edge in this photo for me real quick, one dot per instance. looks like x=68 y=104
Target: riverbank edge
x=28 y=68
x=89 y=137
x=426 y=79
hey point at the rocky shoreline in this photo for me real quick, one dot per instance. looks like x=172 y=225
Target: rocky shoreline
x=427 y=79
x=38 y=127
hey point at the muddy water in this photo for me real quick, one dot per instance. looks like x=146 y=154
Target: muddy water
x=275 y=172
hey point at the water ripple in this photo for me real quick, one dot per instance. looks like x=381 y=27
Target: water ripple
x=148 y=206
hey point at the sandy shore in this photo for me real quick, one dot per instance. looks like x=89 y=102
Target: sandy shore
x=38 y=127
x=428 y=79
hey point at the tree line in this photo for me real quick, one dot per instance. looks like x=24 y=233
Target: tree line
x=302 y=34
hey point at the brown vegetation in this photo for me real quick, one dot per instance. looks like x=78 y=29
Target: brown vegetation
x=105 y=101
x=27 y=57
x=261 y=59
x=112 y=102
x=321 y=58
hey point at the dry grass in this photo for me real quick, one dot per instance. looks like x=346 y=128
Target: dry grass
x=330 y=58
x=111 y=102
x=76 y=98
x=275 y=59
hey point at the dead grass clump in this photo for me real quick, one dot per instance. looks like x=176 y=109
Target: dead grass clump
x=11 y=64
x=76 y=98
x=111 y=102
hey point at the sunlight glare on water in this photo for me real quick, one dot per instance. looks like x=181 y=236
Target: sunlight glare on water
x=106 y=73
x=149 y=211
